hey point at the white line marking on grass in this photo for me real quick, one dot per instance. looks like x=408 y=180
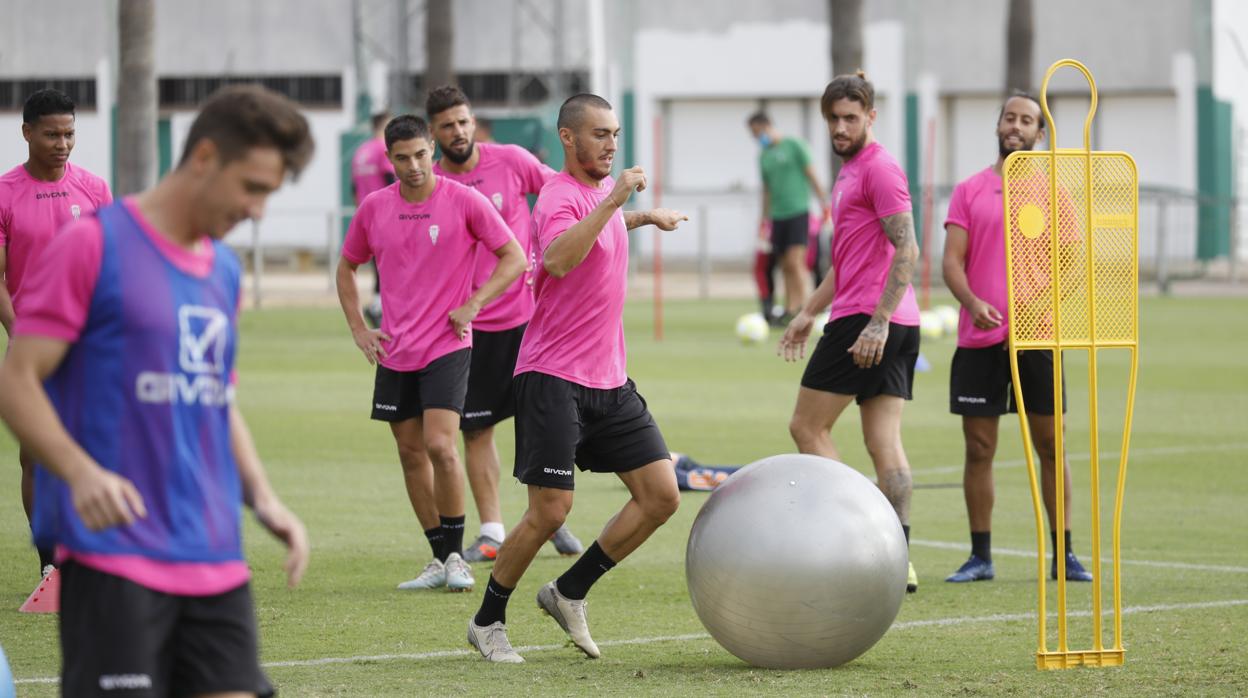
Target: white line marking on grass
x=1004 y=617
x=935 y=622
x=467 y=653
x=945 y=545
x=1080 y=457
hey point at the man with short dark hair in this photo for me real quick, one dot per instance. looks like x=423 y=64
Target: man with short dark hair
x=871 y=342
x=423 y=231
x=789 y=179
x=37 y=198
x=121 y=380
x=575 y=404
x=980 y=380
x=505 y=174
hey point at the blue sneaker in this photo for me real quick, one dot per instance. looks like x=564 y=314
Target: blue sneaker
x=1074 y=571
x=973 y=570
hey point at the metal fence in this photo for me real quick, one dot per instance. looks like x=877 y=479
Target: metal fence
x=720 y=238
x=1170 y=243
x=294 y=239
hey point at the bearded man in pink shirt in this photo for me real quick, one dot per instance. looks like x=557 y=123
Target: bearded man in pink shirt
x=423 y=232
x=980 y=381
x=870 y=344
x=575 y=404
x=37 y=198
x=505 y=174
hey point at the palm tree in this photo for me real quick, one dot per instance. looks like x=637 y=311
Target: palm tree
x=440 y=43
x=1019 y=34
x=845 y=31
x=136 y=96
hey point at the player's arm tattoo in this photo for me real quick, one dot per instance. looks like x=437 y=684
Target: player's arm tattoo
x=636 y=219
x=899 y=229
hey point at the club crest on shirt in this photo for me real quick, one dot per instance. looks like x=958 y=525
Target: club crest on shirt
x=497 y=198
x=433 y=234
x=75 y=211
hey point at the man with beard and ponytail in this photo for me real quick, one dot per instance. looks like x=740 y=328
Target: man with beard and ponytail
x=575 y=404
x=980 y=381
x=871 y=342
x=505 y=174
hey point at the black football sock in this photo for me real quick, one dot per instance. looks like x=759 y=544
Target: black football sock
x=434 y=536
x=45 y=557
x=493 y=604
x=981 y=545
x=575 y=583
x=452 y=536
x=1053 y=541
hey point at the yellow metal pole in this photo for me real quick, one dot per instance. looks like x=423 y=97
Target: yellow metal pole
x=1122 y=482
x=1126 y=429
x=1036 y=502
x=1055 y=279
x=1035 y=326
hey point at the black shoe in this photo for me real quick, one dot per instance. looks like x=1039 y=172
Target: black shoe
x=973 y=570
x=1074 y=571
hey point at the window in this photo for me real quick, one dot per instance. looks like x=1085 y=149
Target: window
x=13 y=93
x=305 y=90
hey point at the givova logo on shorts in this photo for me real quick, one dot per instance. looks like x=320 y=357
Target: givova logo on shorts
x=125 y=682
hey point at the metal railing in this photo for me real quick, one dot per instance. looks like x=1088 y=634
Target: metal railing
x=302 y=238
x=720 y=238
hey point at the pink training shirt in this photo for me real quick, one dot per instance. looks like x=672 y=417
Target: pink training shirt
x=370 y=169
x=577 y=330
x=32 y=211
x=424 y=254
x=977 y=206
x=56 y=307
x=504 y=174
x=871 y=186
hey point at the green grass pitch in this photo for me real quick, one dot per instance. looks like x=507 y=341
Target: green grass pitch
x=348 y=632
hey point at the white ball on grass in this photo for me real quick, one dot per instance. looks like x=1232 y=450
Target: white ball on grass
x=752 y=328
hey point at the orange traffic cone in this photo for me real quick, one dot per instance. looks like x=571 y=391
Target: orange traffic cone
x=46 y=598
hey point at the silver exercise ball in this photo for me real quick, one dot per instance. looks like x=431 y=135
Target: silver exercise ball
x=796 y=562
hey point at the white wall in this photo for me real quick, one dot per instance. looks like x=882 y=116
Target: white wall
x=724 y=166
x=296 y=214
x=970 y=136
x=1230 y=70
x=708 y=81
x=1145 y=127
x=710 y=62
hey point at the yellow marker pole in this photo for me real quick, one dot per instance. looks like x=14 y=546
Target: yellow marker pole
x=1059 y=422
x=1126 y=439
x=1085 y=306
